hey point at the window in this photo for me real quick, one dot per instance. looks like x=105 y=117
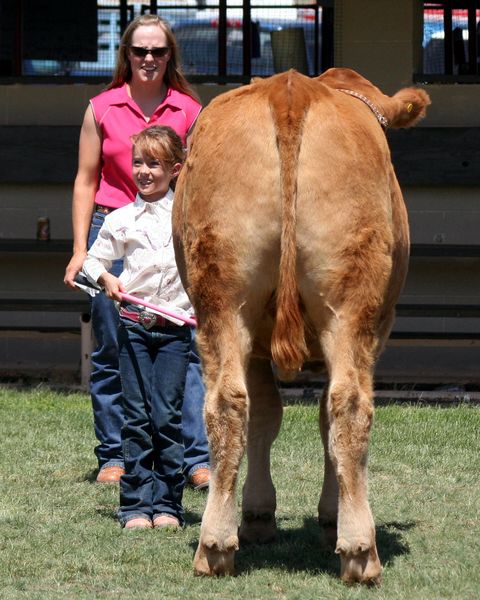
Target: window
x=210 y=37
x=451 y=41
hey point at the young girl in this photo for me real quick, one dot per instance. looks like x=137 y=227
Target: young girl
x=153 y=351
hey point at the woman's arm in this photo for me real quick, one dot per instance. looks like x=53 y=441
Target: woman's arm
x=109 y=246
x=84 y=190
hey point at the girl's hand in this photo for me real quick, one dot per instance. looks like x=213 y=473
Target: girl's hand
x=112 y=285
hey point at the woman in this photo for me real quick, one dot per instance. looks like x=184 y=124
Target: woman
x=148 y=88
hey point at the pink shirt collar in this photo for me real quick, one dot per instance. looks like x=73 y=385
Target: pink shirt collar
x=120 y=96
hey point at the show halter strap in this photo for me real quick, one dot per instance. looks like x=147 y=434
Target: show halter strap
x=380 y=118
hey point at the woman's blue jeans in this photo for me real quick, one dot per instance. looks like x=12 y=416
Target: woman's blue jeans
x=105 y=384
x=153 y=368
x=194 y=433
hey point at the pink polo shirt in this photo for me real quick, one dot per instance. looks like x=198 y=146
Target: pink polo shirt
x=119 y=117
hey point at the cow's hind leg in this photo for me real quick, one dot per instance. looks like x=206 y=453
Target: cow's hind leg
x=265 y=417
x=349 y=410
x=328 y=504
x=226 y=405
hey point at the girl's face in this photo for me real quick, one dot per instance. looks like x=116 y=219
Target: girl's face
x=148 y=67
x=152 y=177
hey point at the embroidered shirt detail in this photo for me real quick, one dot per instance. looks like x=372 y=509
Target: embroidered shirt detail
x=141 y=233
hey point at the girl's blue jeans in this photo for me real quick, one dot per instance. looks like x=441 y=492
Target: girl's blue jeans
x=106 y=389
x=153 y=368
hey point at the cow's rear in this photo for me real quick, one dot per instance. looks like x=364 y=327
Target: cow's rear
x=292 y=239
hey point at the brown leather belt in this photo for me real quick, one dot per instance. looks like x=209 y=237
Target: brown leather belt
x=105 y=210
x=147 y=319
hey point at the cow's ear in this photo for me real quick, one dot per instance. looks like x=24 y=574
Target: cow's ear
x=407 y=107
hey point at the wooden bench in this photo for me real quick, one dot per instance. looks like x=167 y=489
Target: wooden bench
x=79 y=302
x=421 y=155
x=44 y=301
x=72 y=302
x=438 y=310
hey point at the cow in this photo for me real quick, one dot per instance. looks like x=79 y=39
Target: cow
x=291 y=237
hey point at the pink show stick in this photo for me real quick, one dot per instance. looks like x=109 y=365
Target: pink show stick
x=168 y=313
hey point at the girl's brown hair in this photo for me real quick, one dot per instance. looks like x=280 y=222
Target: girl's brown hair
x=174 y=76
x=160 y=142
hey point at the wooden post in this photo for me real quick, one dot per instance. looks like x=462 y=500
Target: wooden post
x=86 y=345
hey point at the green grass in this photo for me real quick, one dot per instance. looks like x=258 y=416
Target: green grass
x=59 y=537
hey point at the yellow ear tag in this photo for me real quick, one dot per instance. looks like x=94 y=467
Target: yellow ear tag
x=409 y=107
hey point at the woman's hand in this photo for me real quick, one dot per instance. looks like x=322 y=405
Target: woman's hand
x=73 y=268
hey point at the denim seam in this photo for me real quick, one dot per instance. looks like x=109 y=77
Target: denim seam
x=112 y=463
x=129 y=517
x=197 y=467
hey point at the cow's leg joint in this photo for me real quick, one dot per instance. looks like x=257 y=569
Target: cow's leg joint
x=353 y=547
x=258 y=527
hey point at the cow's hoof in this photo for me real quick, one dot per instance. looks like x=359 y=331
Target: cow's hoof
x=359 y=562
x=258 y=528
x=211 y=560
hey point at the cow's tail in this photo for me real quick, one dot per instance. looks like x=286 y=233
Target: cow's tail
x=288 y=345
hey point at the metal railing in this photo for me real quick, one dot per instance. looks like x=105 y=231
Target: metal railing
x=227 y=41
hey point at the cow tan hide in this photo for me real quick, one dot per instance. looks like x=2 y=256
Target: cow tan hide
x=291 y=237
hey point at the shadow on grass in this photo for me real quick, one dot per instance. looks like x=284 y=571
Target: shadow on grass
x=390 y=540
x=193 y=518
x=107 y=512
x=91 y=476
x=294 y=550
x=301 y=549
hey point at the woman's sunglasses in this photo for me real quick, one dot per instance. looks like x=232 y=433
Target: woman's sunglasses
x=155 y=52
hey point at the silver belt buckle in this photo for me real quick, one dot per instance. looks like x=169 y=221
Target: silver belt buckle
x=147 y=319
